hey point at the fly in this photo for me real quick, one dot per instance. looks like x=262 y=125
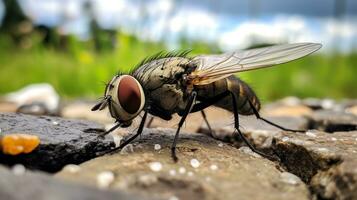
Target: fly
x=170 y=83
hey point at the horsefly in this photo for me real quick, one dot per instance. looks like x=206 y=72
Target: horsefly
x=169 y=83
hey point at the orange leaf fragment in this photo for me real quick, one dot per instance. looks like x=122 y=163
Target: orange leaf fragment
x=15 y=144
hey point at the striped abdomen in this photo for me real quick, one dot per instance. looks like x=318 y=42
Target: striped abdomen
x=241 y=89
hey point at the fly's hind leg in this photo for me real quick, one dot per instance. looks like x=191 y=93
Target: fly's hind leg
x=256 y=113
x=236 y=126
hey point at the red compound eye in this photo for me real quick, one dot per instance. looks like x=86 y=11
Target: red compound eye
x=129 y=94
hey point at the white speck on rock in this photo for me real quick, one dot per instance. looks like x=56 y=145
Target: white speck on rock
x=155 y=166
x=190 y=173
x=173 y=198
x=195 y=163
x=172 y=172
x=157 y=147
x=72 y=168
x=117 y=139
x=285 y=139
x=18 y=169
x=334 y=139
x=248 y=151
x=290 y=178
x=127 y=149
x=213 y=167
x=55 y=123
x=311 y=134
x=182 y=170
x=220 y=144
x=104 y=179
x=208 y=179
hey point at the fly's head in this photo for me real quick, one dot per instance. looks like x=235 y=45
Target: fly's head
x=124 y=97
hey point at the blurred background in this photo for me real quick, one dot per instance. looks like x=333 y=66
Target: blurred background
x=77 y=45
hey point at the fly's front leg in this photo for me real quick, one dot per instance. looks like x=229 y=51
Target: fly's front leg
x=182 y=120
x=236 y=126
x=126 y=142
x=110 y=130
x=256 y=113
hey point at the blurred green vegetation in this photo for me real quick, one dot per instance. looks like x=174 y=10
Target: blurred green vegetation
x=81 y=72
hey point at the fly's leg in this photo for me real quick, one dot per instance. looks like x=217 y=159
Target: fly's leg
x=236 y=126
x=256 y=113
x=126 y=142
x=208 y=102
x=150 y=122
x=110 y=130
x=187 y=110
x=206 y=121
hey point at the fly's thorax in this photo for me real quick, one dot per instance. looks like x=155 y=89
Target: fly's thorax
x=127 y=97
x=159 y=72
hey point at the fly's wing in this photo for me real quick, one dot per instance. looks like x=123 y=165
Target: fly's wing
x=211 y=68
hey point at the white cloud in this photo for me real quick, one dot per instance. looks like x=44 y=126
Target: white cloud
x=280 y=29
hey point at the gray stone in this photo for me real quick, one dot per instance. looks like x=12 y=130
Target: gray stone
x=41 y=186
x=333 y=121
x=63 y=141
x=219 y=171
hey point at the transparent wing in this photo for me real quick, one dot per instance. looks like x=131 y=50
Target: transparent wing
x=211 y=68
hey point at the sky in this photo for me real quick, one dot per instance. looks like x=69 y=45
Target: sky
x=230 y=24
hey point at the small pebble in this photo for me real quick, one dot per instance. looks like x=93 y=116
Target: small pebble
x=155 y=166
x=117 y=139
x=327 y=104
x=289 y=178
x=104 y=179
x=213 y=167
x=72 y=168
x=334 y=139
x=182 y=170
x=195 y=163
x=173 y=198
x=220 y=144
x=18 y=169
x=55 y=123
x=157 y=147
x=172 y=172
x=189 y=173
x=285 y=139
x=310 y=134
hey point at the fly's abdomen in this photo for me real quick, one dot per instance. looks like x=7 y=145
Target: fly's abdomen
x=243 y=93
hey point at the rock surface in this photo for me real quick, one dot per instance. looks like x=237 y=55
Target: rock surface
x=40 y=186
x=326 y=162
x=63 y=141
x=207 y=169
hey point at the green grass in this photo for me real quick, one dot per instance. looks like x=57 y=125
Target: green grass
x=80 y=72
